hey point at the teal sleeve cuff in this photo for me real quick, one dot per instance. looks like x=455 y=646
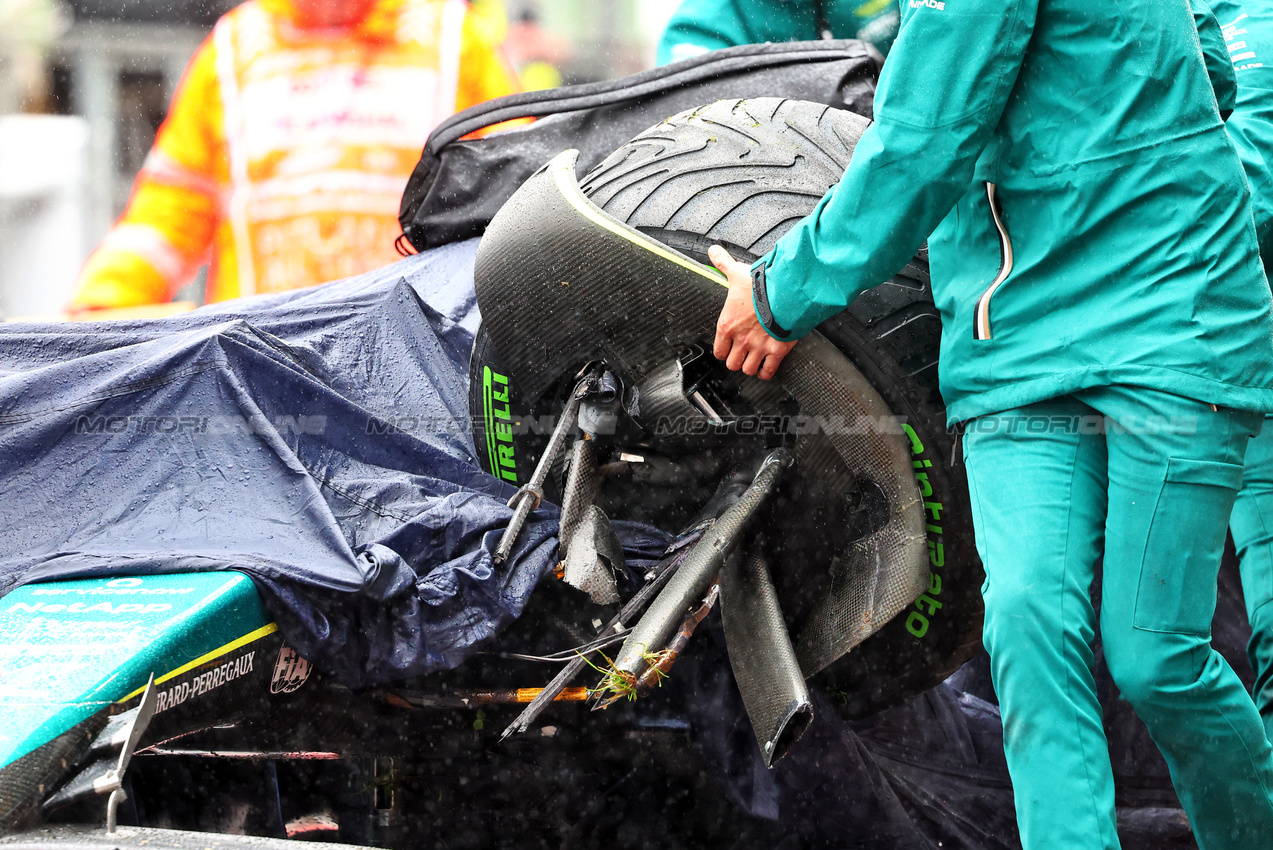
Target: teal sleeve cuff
x=760 y=303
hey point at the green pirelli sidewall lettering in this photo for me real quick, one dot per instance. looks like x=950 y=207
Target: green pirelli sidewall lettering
x=917 y=446
x=488 y=416
x=503 y=464
x=70 y=649
x=918 y=618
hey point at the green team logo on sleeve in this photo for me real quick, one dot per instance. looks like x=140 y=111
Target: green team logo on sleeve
x=499 y=425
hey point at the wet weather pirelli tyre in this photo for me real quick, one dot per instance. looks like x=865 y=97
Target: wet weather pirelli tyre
x=740 y=174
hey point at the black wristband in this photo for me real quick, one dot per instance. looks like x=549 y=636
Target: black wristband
x=761 y=295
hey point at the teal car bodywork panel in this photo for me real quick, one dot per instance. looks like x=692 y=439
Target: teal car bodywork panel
x=70 y=649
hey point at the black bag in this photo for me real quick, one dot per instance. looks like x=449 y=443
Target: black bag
x=459 y=185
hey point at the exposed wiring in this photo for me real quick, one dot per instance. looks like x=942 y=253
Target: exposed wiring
x=567 y=654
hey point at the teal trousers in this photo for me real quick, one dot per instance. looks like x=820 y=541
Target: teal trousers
x=1149 y=479
x=1252 y=527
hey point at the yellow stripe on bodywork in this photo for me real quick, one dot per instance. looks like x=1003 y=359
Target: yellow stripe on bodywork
x=209 y=656
x=563 y=169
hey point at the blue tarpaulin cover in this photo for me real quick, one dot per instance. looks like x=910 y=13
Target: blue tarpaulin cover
x=317 y=440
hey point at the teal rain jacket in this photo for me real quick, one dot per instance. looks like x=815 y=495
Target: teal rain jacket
x=702 y=25
x=1090 y=220
x=1248 y=32
x=1215 y=52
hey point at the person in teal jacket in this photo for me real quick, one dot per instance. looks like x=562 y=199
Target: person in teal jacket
x=1107 y=350
x=698 y=26
x=1248 y=29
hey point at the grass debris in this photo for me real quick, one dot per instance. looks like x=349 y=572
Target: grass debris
x=618 y=684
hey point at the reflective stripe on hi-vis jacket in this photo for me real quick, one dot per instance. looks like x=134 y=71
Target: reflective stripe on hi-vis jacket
x=321 y=134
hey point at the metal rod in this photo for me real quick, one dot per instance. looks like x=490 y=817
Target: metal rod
x=469 y=699
x=531 y=494
x=114 y=779
x=704 y=561
x=112 y=803
x=276 y=755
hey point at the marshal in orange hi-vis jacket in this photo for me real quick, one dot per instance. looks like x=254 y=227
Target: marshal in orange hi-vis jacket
x=287 y=148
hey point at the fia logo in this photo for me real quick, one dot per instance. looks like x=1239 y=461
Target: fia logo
x=290 y=671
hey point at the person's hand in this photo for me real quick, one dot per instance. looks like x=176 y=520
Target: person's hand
x=740 y=340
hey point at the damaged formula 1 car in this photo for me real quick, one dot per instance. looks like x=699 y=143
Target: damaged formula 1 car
x=326 y=627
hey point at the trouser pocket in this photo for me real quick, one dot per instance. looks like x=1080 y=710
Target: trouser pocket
x=1177 y=589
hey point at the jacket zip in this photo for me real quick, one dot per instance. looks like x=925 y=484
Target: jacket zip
x=981 y=318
